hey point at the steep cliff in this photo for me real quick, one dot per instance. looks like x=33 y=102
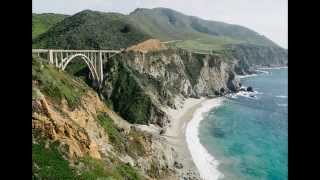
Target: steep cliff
x=81 y=134
x=249 y=56
x=76 y=136
x=138 y=84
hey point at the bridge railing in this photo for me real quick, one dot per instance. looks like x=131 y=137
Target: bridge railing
x=40 y=50
x=65 y=50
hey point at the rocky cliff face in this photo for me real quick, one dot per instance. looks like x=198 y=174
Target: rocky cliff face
x=138 y=84
x=95 y=141
x=74 y=128
x=249 y=56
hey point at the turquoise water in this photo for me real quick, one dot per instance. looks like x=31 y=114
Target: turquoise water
x=249 y=136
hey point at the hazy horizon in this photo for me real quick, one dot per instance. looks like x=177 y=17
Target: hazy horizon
x=266 y=17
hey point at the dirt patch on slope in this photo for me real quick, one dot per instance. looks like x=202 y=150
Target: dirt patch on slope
x=148 y=45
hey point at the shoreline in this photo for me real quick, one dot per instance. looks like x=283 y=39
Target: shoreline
x=205 y=162
x=260 y=70
x=175 y=133
x=277 y=67
x=183 y=132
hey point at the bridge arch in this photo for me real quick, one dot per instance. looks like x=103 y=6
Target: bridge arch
x=86 y=59
x=93 y=58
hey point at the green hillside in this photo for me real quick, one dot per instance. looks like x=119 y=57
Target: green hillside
x=167 y=24
x=97 y=30
x=42 y=22
x=91 y=30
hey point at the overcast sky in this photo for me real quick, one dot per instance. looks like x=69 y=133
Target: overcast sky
x=267 y=17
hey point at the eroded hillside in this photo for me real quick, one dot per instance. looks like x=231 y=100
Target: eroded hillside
x=76 y=136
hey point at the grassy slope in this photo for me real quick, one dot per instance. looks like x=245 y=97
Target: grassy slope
x=42 y=22
x=49 y=163
x=91 y=30
x=57 y=85
x=97 y=30
x=167 y=24
x=207 y=44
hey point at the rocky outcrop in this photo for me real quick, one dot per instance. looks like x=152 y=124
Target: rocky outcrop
x=79 y=135
x=249 y=56
x=250 y=89
x=137 y=84
x=91 y=129
x=179 y=72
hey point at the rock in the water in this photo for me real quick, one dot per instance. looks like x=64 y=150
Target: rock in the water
x=217 y=93
x=222 y=91
x=242 y=89
x=250 y=89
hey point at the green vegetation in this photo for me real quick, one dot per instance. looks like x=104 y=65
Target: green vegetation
x=77 y=66
x=128 y=172
x=80 y=69
x=97 y=30
x=48 y=163
x=127 y=96
x=57 y=85
x=120 y=141
x=42 y=22
x=91 y=30
x=215 y=43
x=167 y=24
x=193 y=65
x=116 y=138
x=97 y=169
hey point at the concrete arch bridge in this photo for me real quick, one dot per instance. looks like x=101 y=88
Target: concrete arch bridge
x=93 y=58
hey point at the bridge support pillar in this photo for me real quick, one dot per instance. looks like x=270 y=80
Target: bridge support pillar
x=50 y=56
x=100 y=69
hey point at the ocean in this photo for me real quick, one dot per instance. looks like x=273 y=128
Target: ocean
x=242 y=137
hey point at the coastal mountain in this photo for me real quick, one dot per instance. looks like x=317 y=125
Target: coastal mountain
x=76 y=136
x=91 y=30
x=98 y=30
x=139 y=83
x=42 y=22
x=119 y=130
x=167 y=24
x=164 y=24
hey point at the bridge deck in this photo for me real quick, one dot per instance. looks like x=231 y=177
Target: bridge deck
x=64 y=50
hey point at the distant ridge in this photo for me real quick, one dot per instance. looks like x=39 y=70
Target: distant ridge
x=91 y=30
x=168 y=24
x=94 y=29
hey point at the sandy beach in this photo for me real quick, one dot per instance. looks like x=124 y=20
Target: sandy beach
x=183 y=135
x=187 y=119
x=175 y=133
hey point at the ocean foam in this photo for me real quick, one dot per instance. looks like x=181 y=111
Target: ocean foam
x=207 y=165
x=248 y=94
x=232 y=95
x=265 y=72
x=283 y=105
x=282 y=96
x=246 y=76
x=281 y=67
